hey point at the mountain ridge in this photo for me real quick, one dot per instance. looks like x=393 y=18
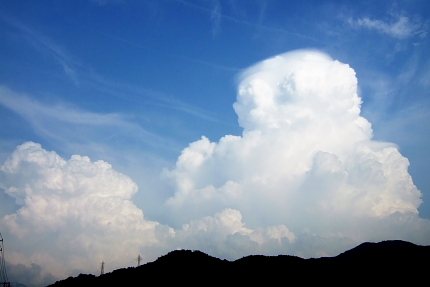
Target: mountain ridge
x=386 y=262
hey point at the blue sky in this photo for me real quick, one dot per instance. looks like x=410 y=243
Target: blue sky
x=134 y=83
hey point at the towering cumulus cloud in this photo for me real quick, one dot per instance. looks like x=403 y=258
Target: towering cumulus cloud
x=305 y=160
x=72 y=214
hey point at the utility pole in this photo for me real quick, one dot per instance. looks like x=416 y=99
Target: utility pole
x=4 y=282
x=102 y=270
x=138 y=260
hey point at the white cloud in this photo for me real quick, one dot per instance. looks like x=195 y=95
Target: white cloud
x=305 y=178
x=402 y=27
x=306 y=158
x=73 y=214
x=225 y=235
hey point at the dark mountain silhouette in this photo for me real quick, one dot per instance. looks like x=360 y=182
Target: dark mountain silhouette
x=388 y=262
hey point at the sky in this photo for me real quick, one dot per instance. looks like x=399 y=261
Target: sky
x=232 y=127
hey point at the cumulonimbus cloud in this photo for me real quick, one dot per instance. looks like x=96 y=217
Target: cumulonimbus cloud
x=305 y=150
x=304 y=178
x=306 y=160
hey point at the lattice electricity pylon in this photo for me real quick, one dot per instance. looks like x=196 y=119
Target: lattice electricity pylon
x=139 y=259
x=4 y=281
x=102 y=269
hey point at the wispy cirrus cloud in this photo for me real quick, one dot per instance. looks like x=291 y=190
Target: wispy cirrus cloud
x=216 y=18
x=135 y=93
x=66 y=123
x=400 y=27
x=107 y=2
x=248 y=23
x=45 y=45
x=82 y=75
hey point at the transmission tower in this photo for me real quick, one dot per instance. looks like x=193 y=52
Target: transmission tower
x=102 y=270
x=4 y=282
x=138 y=260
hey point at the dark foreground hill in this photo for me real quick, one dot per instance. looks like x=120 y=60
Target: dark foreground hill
x=387 y=262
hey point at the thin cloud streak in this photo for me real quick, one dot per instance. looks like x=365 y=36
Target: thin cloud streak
x=135 y=94
x=246 y=23
x=400 y=28
x=46 y=45
x=80 y=75
x=64 y=122
x=216 y=19
x=168 y=54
